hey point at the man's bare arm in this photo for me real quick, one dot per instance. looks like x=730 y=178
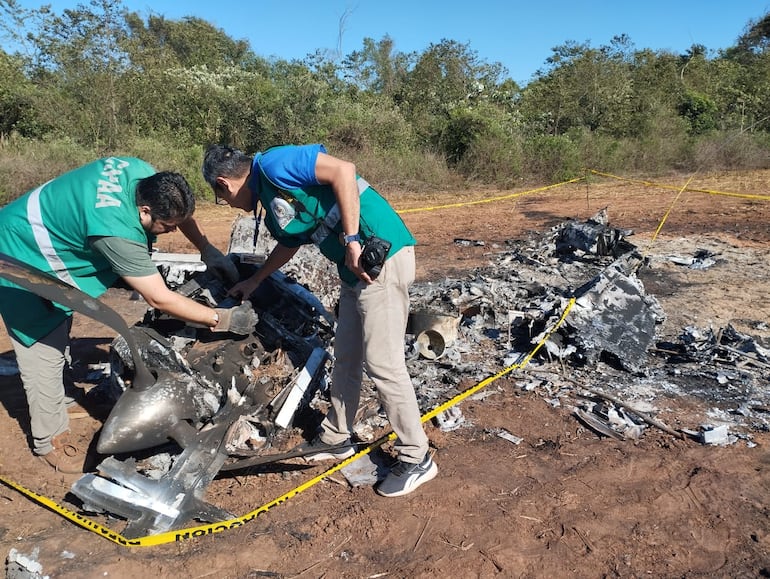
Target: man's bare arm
x=155 y=292
x=340 y=175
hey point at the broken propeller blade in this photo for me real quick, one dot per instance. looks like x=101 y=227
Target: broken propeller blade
x=142 y=419
x=270 y=458
x=597 y=425
x=55 y=290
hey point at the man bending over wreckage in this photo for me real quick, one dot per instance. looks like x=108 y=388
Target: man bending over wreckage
x=87 y=228
x=308 y=197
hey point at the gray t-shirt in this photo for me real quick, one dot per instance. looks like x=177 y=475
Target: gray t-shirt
x=127 y=258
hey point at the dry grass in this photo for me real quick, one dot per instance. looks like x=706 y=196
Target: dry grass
x=26 y=164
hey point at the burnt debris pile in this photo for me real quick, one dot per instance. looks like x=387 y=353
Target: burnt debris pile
x=606 y=361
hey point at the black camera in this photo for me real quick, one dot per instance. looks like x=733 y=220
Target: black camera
x=373 y=255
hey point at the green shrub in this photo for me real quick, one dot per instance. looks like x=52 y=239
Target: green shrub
x=27 y=163
x=551 y=158
x=394 y=170
x=165 y=155
x=493 y=159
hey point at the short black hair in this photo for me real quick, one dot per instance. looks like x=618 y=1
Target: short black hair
x=167 y=194
x=224 y=161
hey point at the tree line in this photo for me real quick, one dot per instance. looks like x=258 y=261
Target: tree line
x=100 y=79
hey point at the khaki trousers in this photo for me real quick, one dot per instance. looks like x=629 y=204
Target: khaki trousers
x=41 y=366
x=370 y=335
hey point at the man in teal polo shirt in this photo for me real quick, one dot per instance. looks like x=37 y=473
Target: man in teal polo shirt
x=309 y=197
x=87 y=228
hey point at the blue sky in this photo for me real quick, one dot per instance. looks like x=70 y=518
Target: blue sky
x=520 y=35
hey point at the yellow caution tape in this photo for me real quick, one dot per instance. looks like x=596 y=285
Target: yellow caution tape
x=488 y=200
x=487 y=381
x=675 y=187
x=182 y=534
x=213 y=528
x=668 y=211
x=210 y=529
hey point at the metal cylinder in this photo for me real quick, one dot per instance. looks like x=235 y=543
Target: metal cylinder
x=431 y=344
x=423 y=320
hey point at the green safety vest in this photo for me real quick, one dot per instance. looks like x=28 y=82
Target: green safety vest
x=310 y=214
x=49 y=228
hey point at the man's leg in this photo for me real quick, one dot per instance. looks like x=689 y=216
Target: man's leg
x=41 y=366
x=384 y=310
x=345 y=389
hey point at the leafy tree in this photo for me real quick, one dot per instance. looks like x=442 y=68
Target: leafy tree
x=377 y=67
x=188 y=42
x=700 y=111
x=17 y=98
x=446 y=83
x=583 y=87
x=754 y=41
x=656 y=86
x=81 y=57
x=752 y=55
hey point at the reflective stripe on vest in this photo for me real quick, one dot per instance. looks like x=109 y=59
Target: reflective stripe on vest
x=43 y=238
x=333 y=216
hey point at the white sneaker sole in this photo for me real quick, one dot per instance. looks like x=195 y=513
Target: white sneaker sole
x=326 y=456
x=413 y=483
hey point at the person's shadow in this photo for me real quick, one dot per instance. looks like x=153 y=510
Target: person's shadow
x=85 y=354
x=12 y=395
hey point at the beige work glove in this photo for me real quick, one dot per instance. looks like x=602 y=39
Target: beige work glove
x=220 y=264
x=239 y=320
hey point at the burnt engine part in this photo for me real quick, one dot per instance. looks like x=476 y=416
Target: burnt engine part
x=216 y=399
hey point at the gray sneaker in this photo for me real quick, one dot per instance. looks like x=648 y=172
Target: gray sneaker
x=319 y=451
x=404 y=477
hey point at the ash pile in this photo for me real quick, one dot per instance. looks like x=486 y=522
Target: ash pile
x=606 y=362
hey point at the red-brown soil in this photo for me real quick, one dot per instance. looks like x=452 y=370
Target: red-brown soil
x=563 y=503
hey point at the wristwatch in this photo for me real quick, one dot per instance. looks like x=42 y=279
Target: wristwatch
x=347 y=239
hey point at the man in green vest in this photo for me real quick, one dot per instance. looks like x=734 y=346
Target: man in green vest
x=309 y=196
x=87 y=228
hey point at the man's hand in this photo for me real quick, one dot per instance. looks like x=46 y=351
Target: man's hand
x=245 y=288
x=353 y=261
x=239 y=320
x=220 y=264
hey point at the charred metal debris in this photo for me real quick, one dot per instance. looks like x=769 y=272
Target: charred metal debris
x=227 y=403
x=219 y=403
x=607 y=362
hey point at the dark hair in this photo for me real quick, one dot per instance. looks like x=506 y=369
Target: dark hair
x=168 y=196
x=224 y=161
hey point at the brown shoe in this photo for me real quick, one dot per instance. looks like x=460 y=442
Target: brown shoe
x=65 y=457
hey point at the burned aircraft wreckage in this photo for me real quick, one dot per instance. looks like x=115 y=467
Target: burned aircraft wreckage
x=189 y=404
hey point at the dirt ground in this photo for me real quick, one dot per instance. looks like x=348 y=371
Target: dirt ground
x=563 y=503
